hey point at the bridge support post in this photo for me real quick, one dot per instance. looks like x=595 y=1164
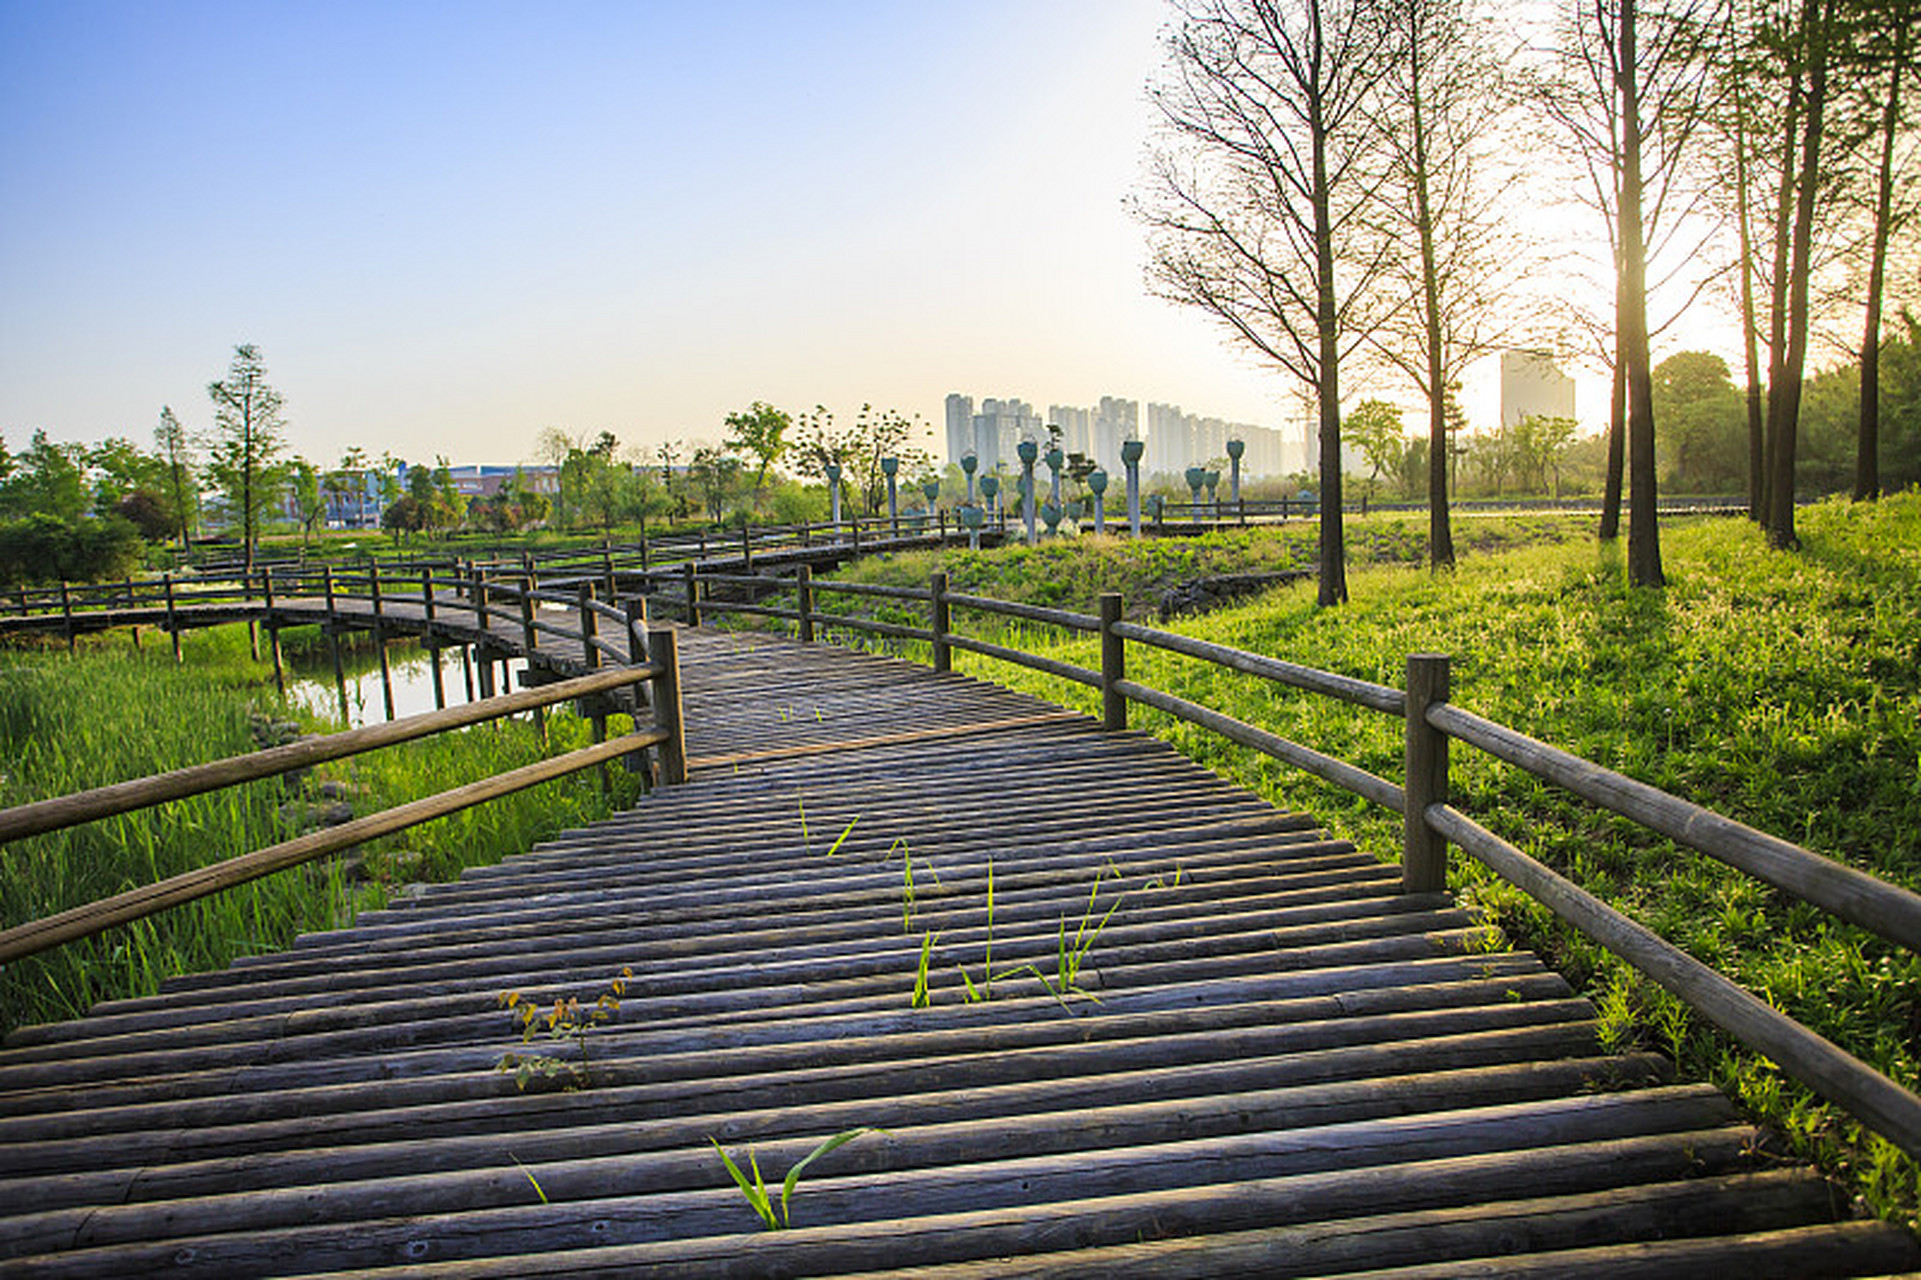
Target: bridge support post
x=1423 y=851
x=595 y=708
x=804 y=591
x=380 y=641
x=433 y=639
x=273 y=636
x=667 y=708
x=1113 y=665
x=333 y=644
x=531 y=639
x=938 y=619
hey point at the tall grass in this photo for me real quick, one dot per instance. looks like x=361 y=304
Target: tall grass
x=1783 y=690
x=109 y=713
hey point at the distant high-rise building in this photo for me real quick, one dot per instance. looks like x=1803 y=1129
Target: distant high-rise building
x=1075 y=427
x=998 y=429
x=1114 y=421
x=1532 y=386
x=960 y=426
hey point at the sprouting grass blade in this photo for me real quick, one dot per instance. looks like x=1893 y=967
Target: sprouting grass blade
x=755 y=1190
x=792 y=1179
x=835 y=847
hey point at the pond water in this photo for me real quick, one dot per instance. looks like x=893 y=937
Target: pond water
x=311 y=682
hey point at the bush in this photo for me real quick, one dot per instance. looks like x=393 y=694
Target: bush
x=43 y=549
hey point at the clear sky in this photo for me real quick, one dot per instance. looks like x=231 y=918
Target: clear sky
x=448 y=225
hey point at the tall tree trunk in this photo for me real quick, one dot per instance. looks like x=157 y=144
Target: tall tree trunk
x=1617 y=442
x=1867 y=456
x=1333 y=546
x=1750 y=325
x=1778 y=287
x=1785 y=401
x=1440 y=533
x=1644 y=534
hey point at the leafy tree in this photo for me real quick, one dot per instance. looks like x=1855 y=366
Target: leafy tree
x=249 y=435
x=1703 y=422
x=760 y=431
x=117 y=467
x=43 y=547
x=46 y=479
x=146 y=511
x=179 y=483
x=404 y=516
x=714 y=475
x=309 y=498
x=1375 y=428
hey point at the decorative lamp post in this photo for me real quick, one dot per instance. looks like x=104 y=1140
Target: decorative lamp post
x=1235 y=448
x=990 y=491
x=1054 y=461
x=969 y=464
x=1196 y=481
x=1213 y=492
x=832 y=471
x=1097 y=485
x=1051 y=515
x=1028 y=451
x=930 y=489
x=971 y=520
x=1131 y=451
x=1156 y=507
x=888 y=468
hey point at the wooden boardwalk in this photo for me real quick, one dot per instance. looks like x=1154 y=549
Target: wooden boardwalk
x=1277 y=1064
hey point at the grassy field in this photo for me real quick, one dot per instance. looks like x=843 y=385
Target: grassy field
x=1782 y=690
x=109 y=713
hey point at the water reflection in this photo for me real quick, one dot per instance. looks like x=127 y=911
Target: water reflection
x=311 y=681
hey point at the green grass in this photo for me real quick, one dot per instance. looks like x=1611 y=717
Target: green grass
x=110 y=713
x=1781 y=690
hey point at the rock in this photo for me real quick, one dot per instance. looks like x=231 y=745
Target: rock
x=1199 y=595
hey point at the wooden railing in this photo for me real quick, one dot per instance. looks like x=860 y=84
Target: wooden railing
x=658 y=667
x=1431 y=724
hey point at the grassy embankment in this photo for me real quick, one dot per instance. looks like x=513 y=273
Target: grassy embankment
x=1782 y=690
x=110 y=713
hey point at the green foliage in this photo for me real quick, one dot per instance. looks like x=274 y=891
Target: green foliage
x=43 y=549
x=760 y=431
x=248 y=436
x=755 y=1189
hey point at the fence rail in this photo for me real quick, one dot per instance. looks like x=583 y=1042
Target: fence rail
x=667 y=737
x=1430 y=824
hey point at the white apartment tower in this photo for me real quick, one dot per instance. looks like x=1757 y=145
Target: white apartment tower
x=1531 y=386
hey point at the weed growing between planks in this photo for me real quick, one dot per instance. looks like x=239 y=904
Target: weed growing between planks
x=754 y=1189
x=565 y=1020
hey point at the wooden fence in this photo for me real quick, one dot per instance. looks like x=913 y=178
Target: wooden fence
x=1430 y=824
x=660 y=668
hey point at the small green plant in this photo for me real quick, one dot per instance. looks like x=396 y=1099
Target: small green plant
x=529 y=1173
x=755 y=1189
x=921 y=998
x=841 y=838
x=565 y=1020
x=977 y=994
x=1072 y=953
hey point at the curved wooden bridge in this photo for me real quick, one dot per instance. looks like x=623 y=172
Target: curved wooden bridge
x=1093 y=1011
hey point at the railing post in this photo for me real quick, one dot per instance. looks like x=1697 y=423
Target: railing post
x=1423 y=851
x=253 y=623
x=607 y=572
x=273 y=636
x=480 y=600
x=804 y=592
x=1113 y=665
x=173 y=622
x=667 y=709
x=943 y=657
x=66 y=610
x=594 y=707
x=691 y=584
x=746 y=549
x=528 y=636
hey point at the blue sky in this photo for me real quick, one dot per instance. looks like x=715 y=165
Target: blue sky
x=448 y=225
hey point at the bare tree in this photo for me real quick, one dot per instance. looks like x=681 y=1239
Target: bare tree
x=1456 y=274
x=1889 y=43
x=1264 y=179
x=1633 y=92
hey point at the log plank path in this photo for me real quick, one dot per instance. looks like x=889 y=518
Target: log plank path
x=1266 y=1060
